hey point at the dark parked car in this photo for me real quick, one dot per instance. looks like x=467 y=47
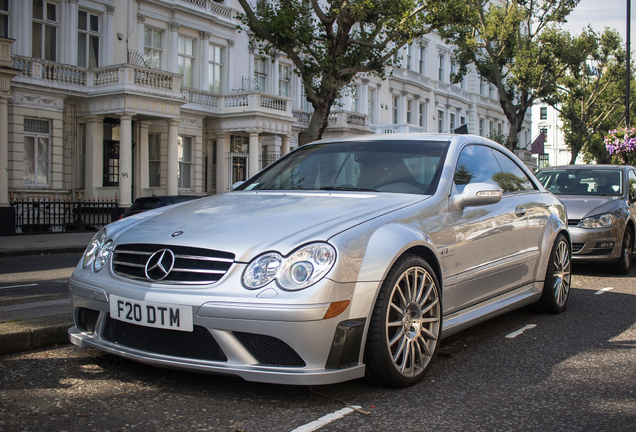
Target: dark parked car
x=601 y=205
x=148 y=203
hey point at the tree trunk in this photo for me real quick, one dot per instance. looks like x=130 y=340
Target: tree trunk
x=318 y=123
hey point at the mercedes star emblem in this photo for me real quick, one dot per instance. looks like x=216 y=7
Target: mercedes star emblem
x=159 y=265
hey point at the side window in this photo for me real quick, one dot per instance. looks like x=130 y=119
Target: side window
x=511 y=178
x=476 y=164
x=632 y=183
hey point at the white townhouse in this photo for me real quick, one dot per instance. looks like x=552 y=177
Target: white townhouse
x=118 y=99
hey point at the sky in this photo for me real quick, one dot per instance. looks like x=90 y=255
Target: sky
x=601 y=14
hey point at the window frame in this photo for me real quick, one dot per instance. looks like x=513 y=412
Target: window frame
x=543 y=113
x=215 y=64
x=5 y=16
x=152 y=48
x=88 y=34
x=37 y=136
x=182 y=59
x=260 y=74
x=154 y=139
x=45 y=23
x=284 y=79
x=182 y=162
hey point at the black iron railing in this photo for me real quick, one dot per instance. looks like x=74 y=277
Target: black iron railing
x=36 y=215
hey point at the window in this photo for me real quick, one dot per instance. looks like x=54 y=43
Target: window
x=491 y=127
x=36 y=152
x=259 y=73
x=499 y=128
x=305 y=104
x=453 y=69
x=545 y=134
x=4 y=18
x=283 y=80
x=44 y=30
x=409 y=109
x=631 y=180
x=462 y=120
x=184 y=152
x=440 y=67
x=476 y=164
x=481 y=127
x=185 y=61
x=511 y=178
x=543 y=113
x=422 y=66
x=154 y=160
x=422 y=114
x=543 y=161
x=152 y=48
x=491 y=91
x=371 y=103
x=396 y=102
x=215 y=69
x=409 y=56
x=111 y=153
x=440 y=121
x=87 y=40
x=482 y=86
x=355 y=92
x=452 y=122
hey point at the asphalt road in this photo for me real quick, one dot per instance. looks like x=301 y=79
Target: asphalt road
x=570 y=372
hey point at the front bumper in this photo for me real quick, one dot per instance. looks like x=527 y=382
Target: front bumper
x=263 y=342
x=591 y=244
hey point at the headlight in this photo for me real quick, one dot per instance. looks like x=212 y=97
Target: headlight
x=102 y=256
x=98 y=252
x=601 y=221
x=93 y=248
x=303 y=268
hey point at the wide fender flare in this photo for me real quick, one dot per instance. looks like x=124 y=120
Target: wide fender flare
x=553 y=228
x=384 y=247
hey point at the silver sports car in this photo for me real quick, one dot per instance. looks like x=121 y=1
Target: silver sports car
x=345 y=258
x=601 y=205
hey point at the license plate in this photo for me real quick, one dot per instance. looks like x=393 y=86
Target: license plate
x=156 y=315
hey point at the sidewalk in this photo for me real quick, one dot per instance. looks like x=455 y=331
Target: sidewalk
x=30 y=326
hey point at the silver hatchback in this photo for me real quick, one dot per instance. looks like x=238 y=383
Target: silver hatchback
x=344 y=258
x=601 y=206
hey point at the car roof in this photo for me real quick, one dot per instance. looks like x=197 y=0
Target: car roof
x=591 y=167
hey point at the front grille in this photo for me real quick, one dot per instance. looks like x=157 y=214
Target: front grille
x=268 y=350
x=198 y=344
x=576 y=247
x=86 y=320
x=191 y=265
x=573 y=222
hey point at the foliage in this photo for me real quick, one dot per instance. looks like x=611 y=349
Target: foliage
x=591 y=95
x=517 y=46
x=330 y=43
x=498 y=137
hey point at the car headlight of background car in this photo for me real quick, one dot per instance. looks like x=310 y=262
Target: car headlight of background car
x=97 y=252
x=301 y=269
x=605 y=220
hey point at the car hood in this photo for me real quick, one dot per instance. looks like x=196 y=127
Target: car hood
x=579 y=207
x=250 y=223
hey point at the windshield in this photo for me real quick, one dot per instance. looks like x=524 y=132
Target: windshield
x=380 y=166
x=583 y=181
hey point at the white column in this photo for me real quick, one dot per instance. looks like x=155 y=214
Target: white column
x=173 y=48
x=94 y=155
x=274 y=85
x=68 y=49
x=363 y=97
x=204 y=55
x=23 y=31
x=125 y=161
x=172 y=171
x=4 y=152
x=221 y=164
x=143 y=174
x=254 y=153
x=229 y=67
x=284 y=148
x=108 y=42
x=402 y=109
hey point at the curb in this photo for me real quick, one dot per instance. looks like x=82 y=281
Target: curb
x=34 y=334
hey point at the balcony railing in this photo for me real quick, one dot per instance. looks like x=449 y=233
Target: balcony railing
x=214 y=7
x=302 y=116
x=397 y=128
x=342 y=118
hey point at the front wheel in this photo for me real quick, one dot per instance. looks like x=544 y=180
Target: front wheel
x=556 y=287
x=405 y=326
x=624 y=263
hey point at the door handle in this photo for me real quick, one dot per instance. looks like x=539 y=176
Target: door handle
x=520 y=211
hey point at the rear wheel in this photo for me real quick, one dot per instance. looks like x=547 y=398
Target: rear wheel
x=556 y=287
x=624 y=263
x=406 y=324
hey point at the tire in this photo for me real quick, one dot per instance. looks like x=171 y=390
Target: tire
x=556 y=287
x=405 y=326
x=624 y=263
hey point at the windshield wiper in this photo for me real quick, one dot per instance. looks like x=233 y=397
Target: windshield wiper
x=346 y=188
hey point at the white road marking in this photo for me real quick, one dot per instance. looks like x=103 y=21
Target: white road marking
x=325 y=420
x=17 y=286
x=521 y=330
x=601 y=291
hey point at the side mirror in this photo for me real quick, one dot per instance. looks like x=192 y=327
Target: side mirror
x=477 y=194
x=237 y=184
